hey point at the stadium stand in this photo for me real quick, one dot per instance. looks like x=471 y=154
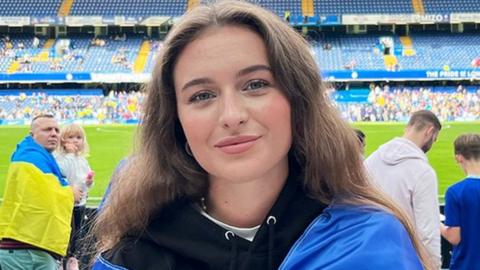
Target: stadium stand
x=396 y=103
x=387 y=103
x=87 y=106
x=343 y=52
x=98 y=55
x=328 y=7
x=177 y=8
x=432 y=51
x=279 y=7
x=29 y=7
x=436 y=50
x=129 y=8
x=348 y=52
x=449 y=6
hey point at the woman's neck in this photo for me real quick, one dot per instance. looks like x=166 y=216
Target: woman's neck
x=244 y=203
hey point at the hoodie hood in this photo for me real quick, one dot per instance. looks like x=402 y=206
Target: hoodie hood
x=399 y=150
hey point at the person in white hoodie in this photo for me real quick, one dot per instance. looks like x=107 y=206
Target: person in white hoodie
x=400 y=168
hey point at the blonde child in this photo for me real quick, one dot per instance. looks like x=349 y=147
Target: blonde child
x=70 y=157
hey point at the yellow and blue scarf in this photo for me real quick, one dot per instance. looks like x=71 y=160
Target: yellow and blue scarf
x=38 y=202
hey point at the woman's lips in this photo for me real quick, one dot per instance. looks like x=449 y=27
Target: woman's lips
x=237 y=144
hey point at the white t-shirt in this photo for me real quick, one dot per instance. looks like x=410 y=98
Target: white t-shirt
x=75 y=168
x=245 y=233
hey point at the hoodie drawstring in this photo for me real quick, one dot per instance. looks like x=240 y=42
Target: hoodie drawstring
x=271 y=221
x=230 y=236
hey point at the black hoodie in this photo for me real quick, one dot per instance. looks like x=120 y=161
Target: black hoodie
x=180 y=237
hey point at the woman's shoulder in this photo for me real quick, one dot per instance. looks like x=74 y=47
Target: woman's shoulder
x=134 y=253
x=369 y=217
x=147 y=250
x=365 y=222
x=346 y=236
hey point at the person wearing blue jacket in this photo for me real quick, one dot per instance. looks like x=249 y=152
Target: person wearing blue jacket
x=462 y=206
x=240 y=154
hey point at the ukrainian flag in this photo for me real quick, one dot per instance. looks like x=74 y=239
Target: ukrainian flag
x=38 y=202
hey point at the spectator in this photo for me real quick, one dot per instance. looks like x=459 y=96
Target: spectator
x=70 y=157
x=220 y=182
x=400 y=168
x=476 y=62
x=462 y=206
x=352 y=64
x=35 y=42
x=38 y=203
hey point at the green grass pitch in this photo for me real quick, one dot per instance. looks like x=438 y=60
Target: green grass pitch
x=110 y=143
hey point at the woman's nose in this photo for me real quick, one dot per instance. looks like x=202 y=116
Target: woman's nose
x=233 y=112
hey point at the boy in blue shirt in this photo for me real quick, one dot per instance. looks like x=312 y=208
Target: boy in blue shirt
x=462 y=206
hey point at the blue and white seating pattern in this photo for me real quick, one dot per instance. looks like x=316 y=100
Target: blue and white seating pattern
x=451 y=6
x=129 y=7
x=29 y=7
x=332 y=7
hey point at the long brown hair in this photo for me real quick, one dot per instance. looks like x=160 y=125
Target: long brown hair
x=324 y=146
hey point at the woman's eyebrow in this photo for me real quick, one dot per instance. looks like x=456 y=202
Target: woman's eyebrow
x=240 y=73
x=196 y=82
x=251 y=69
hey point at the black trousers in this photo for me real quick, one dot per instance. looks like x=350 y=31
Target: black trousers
x=77 y=231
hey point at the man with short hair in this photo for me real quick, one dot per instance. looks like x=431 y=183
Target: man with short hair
x=462 y=206
x=401 y=169
x=37 y=207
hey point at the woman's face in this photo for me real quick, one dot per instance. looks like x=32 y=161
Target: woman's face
x=235 y=118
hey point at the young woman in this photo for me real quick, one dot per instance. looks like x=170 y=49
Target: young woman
x=70 y=157
x=240 y=153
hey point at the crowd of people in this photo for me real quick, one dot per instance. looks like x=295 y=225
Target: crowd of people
x=117 y=107
x=384 y=105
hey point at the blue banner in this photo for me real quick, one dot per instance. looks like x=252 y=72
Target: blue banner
x=355 y=95
x=315 y=20
x=46 y=77
x=53 y=92
x=50 y=20
x=330 y=20
x=432 y=75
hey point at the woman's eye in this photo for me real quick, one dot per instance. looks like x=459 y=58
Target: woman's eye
x=256 y=84
x=201 y=97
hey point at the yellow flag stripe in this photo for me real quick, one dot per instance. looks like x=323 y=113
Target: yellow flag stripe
x=36 y=209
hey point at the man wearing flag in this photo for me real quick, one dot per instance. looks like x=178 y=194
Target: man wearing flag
x=35 y=216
